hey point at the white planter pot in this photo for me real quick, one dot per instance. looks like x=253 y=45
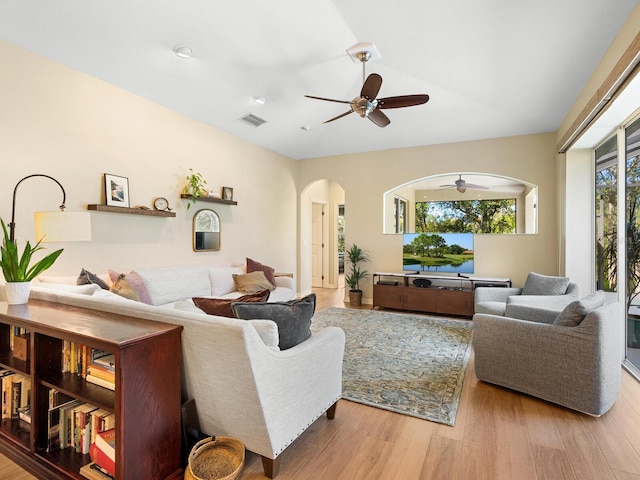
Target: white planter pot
x=17 y=292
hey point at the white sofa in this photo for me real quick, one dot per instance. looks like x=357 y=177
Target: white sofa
x=244 y=386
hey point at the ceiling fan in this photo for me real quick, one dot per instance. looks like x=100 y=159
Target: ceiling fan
x=461 y=185
x=366 y=105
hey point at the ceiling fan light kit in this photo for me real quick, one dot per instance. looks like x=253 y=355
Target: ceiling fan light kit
x=366 y=105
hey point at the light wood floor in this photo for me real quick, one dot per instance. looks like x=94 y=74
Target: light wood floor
x=499 y=434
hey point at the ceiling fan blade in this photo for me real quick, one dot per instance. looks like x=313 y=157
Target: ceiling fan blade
x=476 y=187
x=339 y=116
x=402 y=101
x=379 y=118
x=371 y=86
x=327 y=99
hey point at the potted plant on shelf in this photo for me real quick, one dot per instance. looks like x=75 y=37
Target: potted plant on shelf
x=195 y=187
x=18 y=270
x=355 y=256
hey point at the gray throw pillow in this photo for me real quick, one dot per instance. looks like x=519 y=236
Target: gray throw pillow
x=574 y=313
x=87 y=278
x=538 y=284
x=293 y=318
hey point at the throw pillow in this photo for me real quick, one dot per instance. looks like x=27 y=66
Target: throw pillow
x=252 y=282
x=123 y=288
x=86 y=278
x=293 y=318
x=574 y=313
x=135 y=282
x=253 y=266
x=538 y=284
x=222 y=306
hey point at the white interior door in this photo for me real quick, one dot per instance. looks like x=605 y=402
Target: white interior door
x=317 y=244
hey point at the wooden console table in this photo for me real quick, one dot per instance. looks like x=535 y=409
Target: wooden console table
x=447 y=295
x=146 y=401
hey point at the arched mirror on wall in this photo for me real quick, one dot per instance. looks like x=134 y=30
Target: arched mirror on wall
x=206 y=231
x=462 y=202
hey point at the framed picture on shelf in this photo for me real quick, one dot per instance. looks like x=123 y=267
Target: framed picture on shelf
x=116 y=190
x=227 y=193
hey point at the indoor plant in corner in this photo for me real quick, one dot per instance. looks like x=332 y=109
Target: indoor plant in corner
x=355 y=256
x=18 y=270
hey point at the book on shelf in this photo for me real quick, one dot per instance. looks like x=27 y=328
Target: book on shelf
x=100 y=421
x=82 y=432
x=104 y=359
x=57 y=398
x=106 y=443
x=101 y=372
x=16 y=394
x=93 y=471
x=103 y=451
x=101 y=382
x=24 y=414
x=54 y=426
x=7 y=382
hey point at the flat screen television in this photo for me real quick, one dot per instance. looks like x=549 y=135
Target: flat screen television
x=437 y=253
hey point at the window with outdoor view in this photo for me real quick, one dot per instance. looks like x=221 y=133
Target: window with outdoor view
x=606 y=215
x=467 y=216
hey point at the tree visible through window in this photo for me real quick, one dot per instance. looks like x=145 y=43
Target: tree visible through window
x=467 y=216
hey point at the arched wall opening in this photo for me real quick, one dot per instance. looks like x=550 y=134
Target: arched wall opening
x=321 y=203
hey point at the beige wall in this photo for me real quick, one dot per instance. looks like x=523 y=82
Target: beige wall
x=366 y=177
x=59 y=122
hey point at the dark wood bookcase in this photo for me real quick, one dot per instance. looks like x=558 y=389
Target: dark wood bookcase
x=146 y=401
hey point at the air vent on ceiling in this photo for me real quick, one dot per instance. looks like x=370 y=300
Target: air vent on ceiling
x=254 y=120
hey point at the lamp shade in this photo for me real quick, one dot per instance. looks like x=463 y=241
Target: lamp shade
x=63 y=226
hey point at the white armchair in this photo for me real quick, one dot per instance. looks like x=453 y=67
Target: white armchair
x=264 y=397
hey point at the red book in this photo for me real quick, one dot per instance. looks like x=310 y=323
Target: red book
x=99 y=457
x=106 y=441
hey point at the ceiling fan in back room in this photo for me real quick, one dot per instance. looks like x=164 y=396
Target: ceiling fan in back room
x=366 y=105
x=461 y=185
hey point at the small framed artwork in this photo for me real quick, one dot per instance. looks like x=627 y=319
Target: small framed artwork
x=116 y=190
x=227 y=193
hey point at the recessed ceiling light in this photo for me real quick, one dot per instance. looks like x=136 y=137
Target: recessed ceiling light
x=259 y=100
x=182 y=51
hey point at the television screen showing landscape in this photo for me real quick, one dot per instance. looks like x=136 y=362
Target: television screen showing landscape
x=437 y=252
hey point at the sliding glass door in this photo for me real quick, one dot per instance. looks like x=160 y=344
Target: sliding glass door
x=632 y=241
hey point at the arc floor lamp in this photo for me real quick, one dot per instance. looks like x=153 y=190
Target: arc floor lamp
x=54 y=226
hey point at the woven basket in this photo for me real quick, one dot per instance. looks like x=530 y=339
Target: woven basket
x=215 y=458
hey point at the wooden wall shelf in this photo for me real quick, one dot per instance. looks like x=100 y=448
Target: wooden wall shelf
x=209 y=199
x=132 y=211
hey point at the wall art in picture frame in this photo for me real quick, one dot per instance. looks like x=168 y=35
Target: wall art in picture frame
x=227 y=193
x=116 y=190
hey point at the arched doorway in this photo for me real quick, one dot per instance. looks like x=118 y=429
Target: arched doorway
x=321 y=206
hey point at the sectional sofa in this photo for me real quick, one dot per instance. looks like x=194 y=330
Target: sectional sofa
x=243 y=384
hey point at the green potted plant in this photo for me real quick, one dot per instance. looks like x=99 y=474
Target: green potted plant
x=18 y=269
x=196 y=187
x=355 y=256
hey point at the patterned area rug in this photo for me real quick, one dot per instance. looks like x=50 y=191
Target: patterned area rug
x=410 y=364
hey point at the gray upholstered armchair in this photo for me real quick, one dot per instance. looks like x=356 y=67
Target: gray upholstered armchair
x=542 y=296
x=574 y=366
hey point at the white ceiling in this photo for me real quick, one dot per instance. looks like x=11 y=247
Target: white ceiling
x=492 y=68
